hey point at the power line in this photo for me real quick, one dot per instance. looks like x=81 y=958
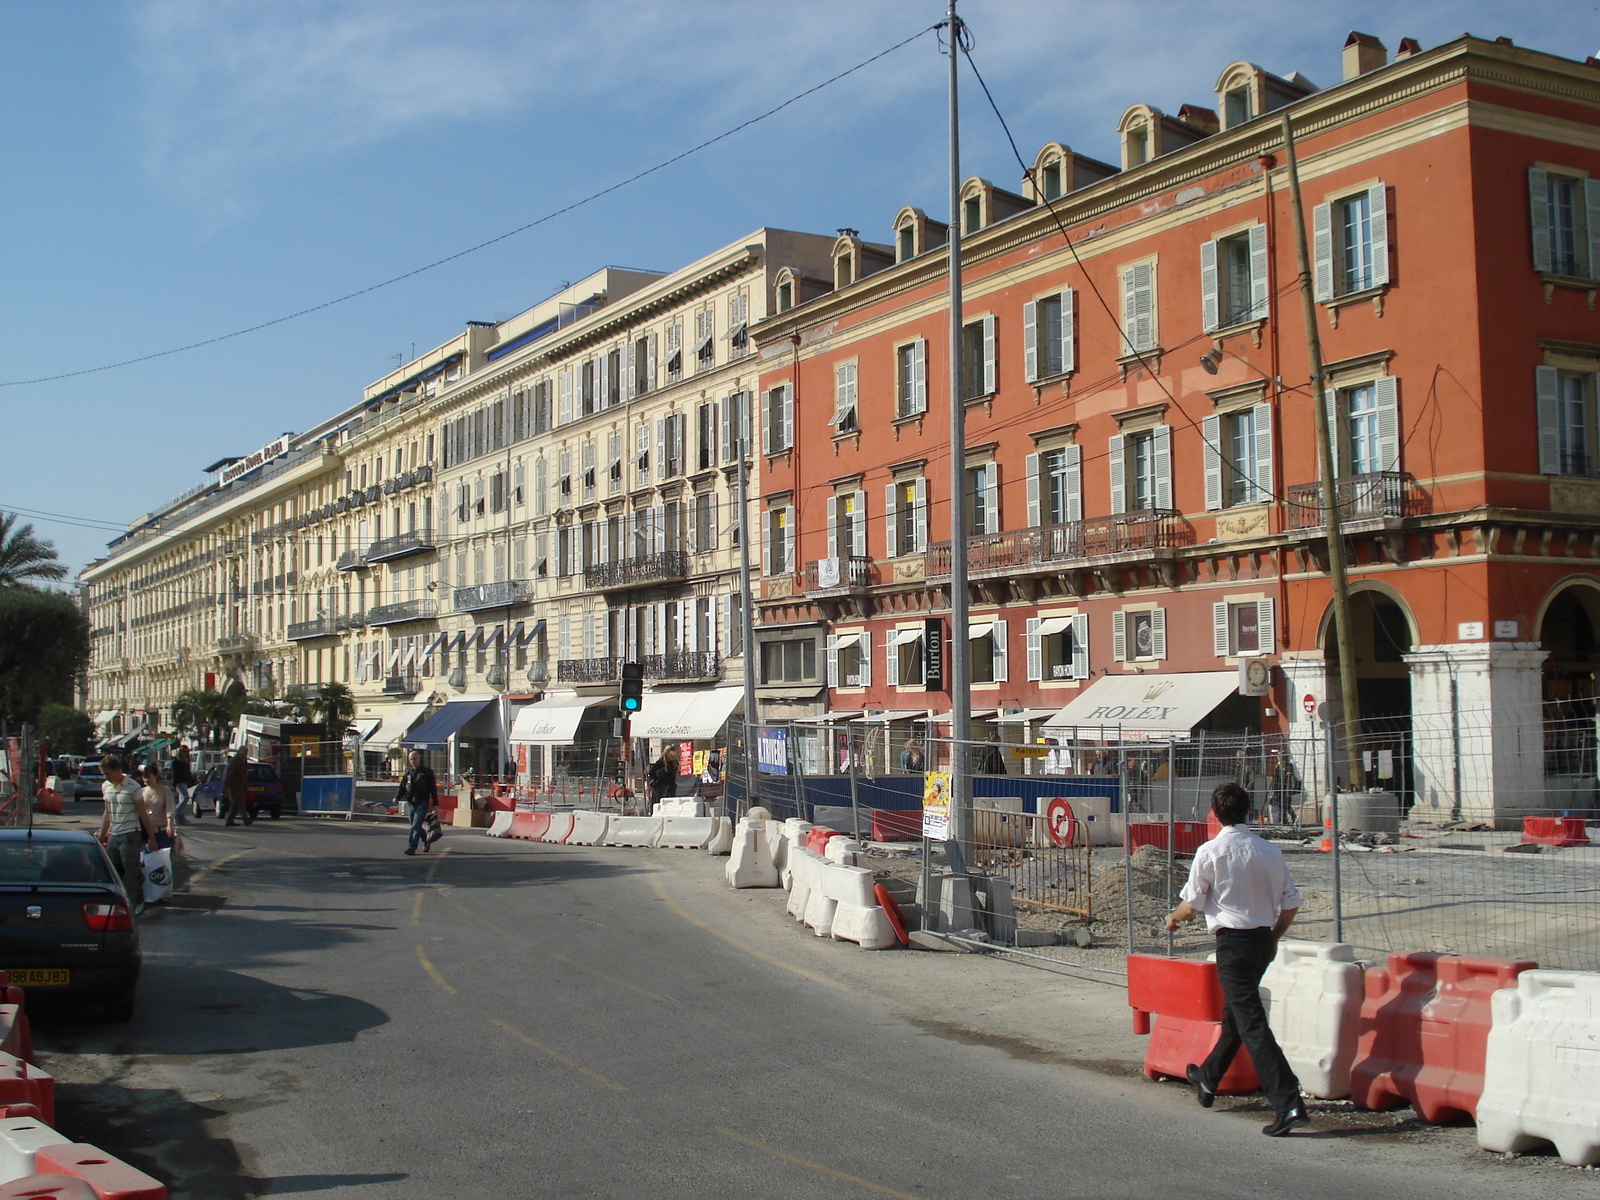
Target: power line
x=52 y=518
x=449 y=258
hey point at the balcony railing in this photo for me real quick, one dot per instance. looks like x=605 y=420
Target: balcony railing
x=538 y=672
x=850 y=573
x=635 y=572
x=588 y=670
x=349 y=621
x=1021 y=549
x=493 y=595
x=350 y=560
x=1361 y=498
x=685 y=664
x=458 y=677
x=304 y=631
x=236 y=643
x=401 y=685
x=406 y=610
x=495 y=676
x=418 y=541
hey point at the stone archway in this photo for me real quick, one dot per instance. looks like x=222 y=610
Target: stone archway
x=1382 y=635
x=1569 y=631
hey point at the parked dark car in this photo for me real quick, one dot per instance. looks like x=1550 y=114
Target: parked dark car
x=266 y=790
x=66 y=926
x=86 y=784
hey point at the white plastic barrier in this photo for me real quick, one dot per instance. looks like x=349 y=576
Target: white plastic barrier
x=859 y=917
x=820 y=906
x=1313 y=993
x=792 y=837
x=689 y=806
x=841 y=850
x=722 y=840
x=559 y=829
x=588 y=828
x=633 y=831
x=685 y=833
x=801 y=870
x=750 y=860
x=501 y=825
x=1540 y=1079
x=20 y=1138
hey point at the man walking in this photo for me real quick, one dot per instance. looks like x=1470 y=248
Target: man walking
x=420 y=790
x=236 y=788
x=1241 y=884
x=125 y=827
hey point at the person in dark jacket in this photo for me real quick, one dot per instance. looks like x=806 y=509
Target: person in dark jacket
x=236 y=789
x=420 y=790
x=662 y=777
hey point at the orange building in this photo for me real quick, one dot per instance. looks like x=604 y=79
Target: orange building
x=1140 y=469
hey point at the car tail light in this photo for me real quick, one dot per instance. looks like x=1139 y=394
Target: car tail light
x=107 y=918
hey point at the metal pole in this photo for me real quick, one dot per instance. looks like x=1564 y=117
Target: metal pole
x=1326 y=468
x=960 y=647
x=1172 y=828
x=746 y=636
x=1333 y=839
x=855 y=797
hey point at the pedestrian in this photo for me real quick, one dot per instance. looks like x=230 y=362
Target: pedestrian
x=162 y=804
x=1241 y=884
x=125 y=828
x=911 y=757
x=662 y=777
x=183 y=779
x=419 y=792
x=236 y=789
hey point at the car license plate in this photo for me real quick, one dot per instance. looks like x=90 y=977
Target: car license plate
x=39 y=977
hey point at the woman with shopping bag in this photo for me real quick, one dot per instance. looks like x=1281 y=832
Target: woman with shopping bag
x=158 y=865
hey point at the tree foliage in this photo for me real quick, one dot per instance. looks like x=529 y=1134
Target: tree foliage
x=44 y=649
x=335 y=706
x=25 y=559
x=66 y=730
x=201 y=706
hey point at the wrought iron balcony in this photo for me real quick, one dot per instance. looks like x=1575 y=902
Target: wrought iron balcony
x=350 y=560
x=851 y=573
x=236 y=643
x=684 y=664
x=401 y=685
x=406 y=610
x=1071 y=541
x=538 y=672
x=304 y=631
x=662 y=567
x=418 y=541
x=1361 y=498
x=493 y=595
x=495 y=676
x=589 y=670
x=349 y=621
x=457 y=677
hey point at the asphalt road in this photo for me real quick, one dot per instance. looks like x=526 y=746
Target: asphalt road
x=321 y=1015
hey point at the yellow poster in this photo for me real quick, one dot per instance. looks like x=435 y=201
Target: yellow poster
x=936 y=805
x=700 y=761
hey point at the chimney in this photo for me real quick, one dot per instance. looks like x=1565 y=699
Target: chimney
x=1362 y=53
x=1408 y=47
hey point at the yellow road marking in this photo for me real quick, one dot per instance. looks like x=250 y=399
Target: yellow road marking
x=221 y=862
x=416 y=909
x=559 y=1057
x=433 y=867
x=819 y=1167
x=433 y=971
x=688 y=916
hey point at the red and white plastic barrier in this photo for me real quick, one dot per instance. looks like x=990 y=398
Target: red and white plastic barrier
x=1313 y=993
x=110 y=1178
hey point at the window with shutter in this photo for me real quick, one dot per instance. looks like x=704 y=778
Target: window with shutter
x=891 y=520
x=1035 y=645
x=833 y=661
x=1158 y=633
x=1162 y=441
x=1260 y=290
x=1030 y=341
x=1221 y=644
x=1034 y=484
x=1001 y=650
x=1080 y=646
x=1117 y=465
x=920 y=515
x=1322 y=252
x=1211 y=451
x=1211 y=303
x=859 y=526
x=989 y=362
x=844 y=398
x=1138 y=308
x=564 y=397
x=1119 y=635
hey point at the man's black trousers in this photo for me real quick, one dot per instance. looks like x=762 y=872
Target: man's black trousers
x=1243 y=956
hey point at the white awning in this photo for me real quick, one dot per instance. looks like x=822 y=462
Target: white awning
x=1145 y=703
x=104 y=717
x=904 y=637
x=553 y=720
x=1053 y=625
x=396 y=725
x=364 y=727
x=889 y=716
x=688 y=716
x=974 y=632
x=394 y=656
x=978 y=714
x=829 y=718
x=1023 y=716
x=845 y=639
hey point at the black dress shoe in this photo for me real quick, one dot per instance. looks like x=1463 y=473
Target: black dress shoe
x=1201 y=1092
x=1284 y=1122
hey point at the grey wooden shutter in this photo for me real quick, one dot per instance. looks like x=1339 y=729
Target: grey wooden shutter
x=1260 y=293
x=1145 y=305
x=919 y=376
x=1074 y=455
x=769 y=423
x=1158 y=633
x=1378 y=216
x=1219 y=630
x=1591 y=215
x=1117 y=460
x=1162 y=454
x=1387 y=388
x=1549 y=413
x=660 y=461
x=1322 y=252
x=1211 y=454
x=641 y=454
x=786 y=410
x=864 y=657
x=1034 y=482
x=891 y=521
x=997 y=639
x=1539 y=216
x=858 y=527
x=791 y=537
x=650 y=363
x=541 y=487
x=729 y=425
x=630 y=368
x=1210 y=301
x=991 y=504
x=1068 y=342
x=1035 y=649
x=1337 y=440
x=833 y=661
x=919 y=505
x=1262 y=477
x=1119 y=635
x=891 y=658
x=1080 y=646
x=833 y=527
x=1128 y=306
x=988 y=356
x=564 y=397
x=1030 y=341
x=1266 y=626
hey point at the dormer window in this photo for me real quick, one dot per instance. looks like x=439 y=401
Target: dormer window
x=1236 y=106
x=843 y=270
x=1136 y=146
x=905 y=243
x=971 y=215
x=1050 y=180
x=785 y=296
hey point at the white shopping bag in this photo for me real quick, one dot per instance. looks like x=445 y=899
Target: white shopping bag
x=157 y=866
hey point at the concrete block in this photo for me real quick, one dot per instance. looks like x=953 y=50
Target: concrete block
x=1034 y=937
x=1000 y=915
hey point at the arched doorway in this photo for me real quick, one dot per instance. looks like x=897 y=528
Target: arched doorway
x=1567 y=630
x=1381 y=635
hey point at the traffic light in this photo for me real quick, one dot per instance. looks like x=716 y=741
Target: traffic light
x=632 y=688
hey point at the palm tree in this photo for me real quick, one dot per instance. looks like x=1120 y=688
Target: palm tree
x=201 y=706
x=25 y=558
x=335 y=706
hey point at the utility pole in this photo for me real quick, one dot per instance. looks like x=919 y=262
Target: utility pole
x=1327 y=425
x=960 y=662
x=746 y=636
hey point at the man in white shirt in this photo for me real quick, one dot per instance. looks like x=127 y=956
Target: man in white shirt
x=1241 y=884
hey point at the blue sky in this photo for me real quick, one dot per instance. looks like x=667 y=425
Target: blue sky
x=178 y=170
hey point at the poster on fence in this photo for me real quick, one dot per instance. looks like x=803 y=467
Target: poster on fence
x=936 y=805
x=772 y=751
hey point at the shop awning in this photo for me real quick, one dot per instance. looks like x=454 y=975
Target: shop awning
x=904 y=637
x=891 y=715
x=844 y=640
x=688 y=716
x=1051 y=626
x=396 y=725
x=978 y=714
x=434 y=732
x=104 y=717
x=365 y=727
x=1145 y=703
x=553 y=720
x=1024 y=716
x=982 y=629
x=830 y=718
